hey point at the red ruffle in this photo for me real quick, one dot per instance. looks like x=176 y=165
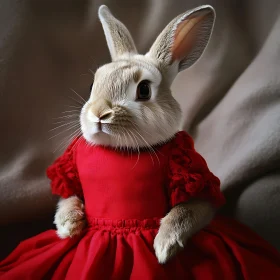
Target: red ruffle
x=189 y=176
x=64 y=176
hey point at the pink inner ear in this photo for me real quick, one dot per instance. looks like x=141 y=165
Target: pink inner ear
x=186 y=34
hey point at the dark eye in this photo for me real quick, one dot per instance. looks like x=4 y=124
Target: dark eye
x=143 y=90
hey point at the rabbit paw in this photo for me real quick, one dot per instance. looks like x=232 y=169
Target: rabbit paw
x=168 y=242
x=69 y=218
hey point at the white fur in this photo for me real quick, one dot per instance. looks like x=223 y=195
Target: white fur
x=69 y=218
x=173 y=236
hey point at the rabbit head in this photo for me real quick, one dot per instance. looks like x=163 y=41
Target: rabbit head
x=131 y=104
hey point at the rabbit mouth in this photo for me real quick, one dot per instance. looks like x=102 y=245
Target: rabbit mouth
x=107 y=128
x=99 y=126
x=112 y=128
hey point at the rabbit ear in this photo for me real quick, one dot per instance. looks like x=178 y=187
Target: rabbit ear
x=184 y=39
x=118 y=37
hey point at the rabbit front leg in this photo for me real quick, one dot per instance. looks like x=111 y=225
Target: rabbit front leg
x=69 y=217
x=179 y=225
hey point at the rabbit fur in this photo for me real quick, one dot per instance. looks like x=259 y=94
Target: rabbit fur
x=114 y=117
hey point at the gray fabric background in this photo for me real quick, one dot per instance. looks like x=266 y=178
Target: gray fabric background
x=230 y=99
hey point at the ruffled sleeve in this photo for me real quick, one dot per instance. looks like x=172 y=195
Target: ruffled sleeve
x=64 y=175
x=189 y=176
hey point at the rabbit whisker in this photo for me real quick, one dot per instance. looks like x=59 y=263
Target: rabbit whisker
x=66 y=141
x=78 y=95
x=149 y=146
x=68 y=123
x=71 y=127
x=79 y=102
x=137 y=147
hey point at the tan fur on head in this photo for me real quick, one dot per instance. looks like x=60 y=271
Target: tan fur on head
x=129 y=123
x=118 y=37
x=113 y=116
x=184 y=39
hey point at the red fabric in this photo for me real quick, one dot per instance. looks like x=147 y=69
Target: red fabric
x=189 y=175
x=63 y=174
x=125 y=197
x=110 y=250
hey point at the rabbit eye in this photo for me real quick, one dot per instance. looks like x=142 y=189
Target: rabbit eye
x=143 y=91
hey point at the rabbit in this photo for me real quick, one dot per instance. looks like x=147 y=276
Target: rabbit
x=131 y=107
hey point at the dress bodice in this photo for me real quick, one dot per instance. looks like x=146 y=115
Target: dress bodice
x=130 y=185
x=123 y=184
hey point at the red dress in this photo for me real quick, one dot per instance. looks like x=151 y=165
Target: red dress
x=125 y=196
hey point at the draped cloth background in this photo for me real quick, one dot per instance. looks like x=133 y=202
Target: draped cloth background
x=230 y=100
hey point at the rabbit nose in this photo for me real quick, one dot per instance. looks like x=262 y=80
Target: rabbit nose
x=100 y=109
x=106 y=115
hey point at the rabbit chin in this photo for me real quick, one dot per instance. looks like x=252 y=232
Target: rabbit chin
x=129 y=138
x=109 y=139
x=99 y=138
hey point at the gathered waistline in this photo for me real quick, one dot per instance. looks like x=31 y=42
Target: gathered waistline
x=123 y=223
